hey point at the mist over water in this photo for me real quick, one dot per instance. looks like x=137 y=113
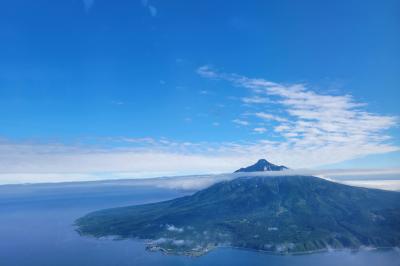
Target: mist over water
x=36 y=229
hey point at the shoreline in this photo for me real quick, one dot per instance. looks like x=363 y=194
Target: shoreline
x=155 y=248
x=197 y=253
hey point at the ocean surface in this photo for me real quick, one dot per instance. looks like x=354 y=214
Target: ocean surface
x=36 y=229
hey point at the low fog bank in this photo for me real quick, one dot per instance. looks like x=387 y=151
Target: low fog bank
x=388 y=179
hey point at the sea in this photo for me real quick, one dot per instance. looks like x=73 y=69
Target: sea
x=37 y=229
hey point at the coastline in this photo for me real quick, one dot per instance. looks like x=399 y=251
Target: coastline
x=197 y=253
x=150 y=246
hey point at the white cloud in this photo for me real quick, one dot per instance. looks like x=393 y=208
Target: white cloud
x=173 y=228
x=260 y=130
x=388 y=179
x=241 y=122
x=27 y=162
x=255 y=100
x=146 y=140
x=34 y=163
x=152 y=9
x=380 y=184
x=267 y=116
x=207 y=72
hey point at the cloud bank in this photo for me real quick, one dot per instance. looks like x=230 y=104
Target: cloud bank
x=388 y=179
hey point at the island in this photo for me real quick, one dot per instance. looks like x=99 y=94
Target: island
x=283 y=214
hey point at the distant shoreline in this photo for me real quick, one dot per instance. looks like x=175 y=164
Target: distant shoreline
x=300 y=253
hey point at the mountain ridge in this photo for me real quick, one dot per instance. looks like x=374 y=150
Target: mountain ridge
x=282 y=214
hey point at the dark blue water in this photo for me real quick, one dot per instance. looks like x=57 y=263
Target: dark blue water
x=36 y=229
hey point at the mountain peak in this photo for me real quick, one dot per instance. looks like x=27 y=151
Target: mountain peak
x=261 y=166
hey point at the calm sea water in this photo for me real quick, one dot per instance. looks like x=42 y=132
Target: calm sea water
x=36 y=229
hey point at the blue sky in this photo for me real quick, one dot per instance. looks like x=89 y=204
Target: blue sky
x=203 y=86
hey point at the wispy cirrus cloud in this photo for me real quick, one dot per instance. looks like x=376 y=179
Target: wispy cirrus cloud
x=260 y=130
x=255 y=99
x=152 y=9
x=207 y=72
x=241 y=122
x=267 y=116
x=319 y=123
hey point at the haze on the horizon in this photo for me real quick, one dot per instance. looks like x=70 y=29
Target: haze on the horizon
x=119 y=89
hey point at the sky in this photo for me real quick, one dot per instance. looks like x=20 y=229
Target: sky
x=101 y=89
